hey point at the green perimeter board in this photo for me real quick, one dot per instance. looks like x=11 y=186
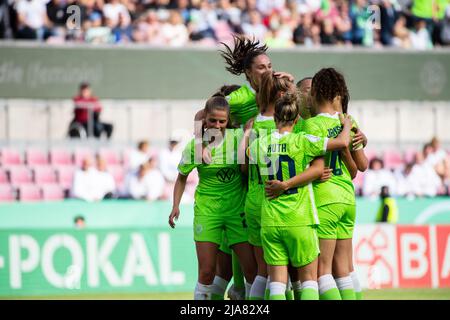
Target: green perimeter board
x=131 y=214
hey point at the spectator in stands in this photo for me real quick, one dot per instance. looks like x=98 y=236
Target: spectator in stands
x=85 y=184
x=87 y=111
x=58 y=15
x=420 y=37
x=376 y=177
x=401 y=33
x=139 y=156
x=388 y=16
x=114 y=10
x=405 y=182
x=146 y=183
x=425 y=180
x=105 y=180
x=439 y=159
x=174 y=32
x=33 y=22
x=169 y=159
x=255 y=27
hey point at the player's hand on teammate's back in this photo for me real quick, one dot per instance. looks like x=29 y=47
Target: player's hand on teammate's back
x=359 y=138
x=326 y=174
x=174 y=216
x=274 y=188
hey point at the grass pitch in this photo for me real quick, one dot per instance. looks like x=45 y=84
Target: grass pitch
x=382 y=294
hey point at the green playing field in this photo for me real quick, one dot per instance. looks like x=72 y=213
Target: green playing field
x=382 y=294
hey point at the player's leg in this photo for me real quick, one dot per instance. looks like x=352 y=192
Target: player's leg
x=254 y=238
x=343 y=254
x=329 y=216
x=207 y=236
x=277 y=258
x=257 y=291
x=278 y=281
x=237 y=235
x=303 y=246
x=206 y=257
x=294 y=276
x=237 y=290
x=224 y=270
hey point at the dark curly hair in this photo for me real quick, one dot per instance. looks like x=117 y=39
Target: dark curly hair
x=328 y=83
x=244 y=52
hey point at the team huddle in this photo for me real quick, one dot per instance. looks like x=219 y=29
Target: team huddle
x=275 y=204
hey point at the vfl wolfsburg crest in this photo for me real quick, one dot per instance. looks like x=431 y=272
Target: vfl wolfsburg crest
x=225 y=175
x=198 y=228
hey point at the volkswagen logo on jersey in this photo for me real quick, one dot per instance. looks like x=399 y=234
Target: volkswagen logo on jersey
x=225 y=175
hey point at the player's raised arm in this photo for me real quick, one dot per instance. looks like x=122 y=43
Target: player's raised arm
x=343 y=139
x=178 y=191
x=275 y=188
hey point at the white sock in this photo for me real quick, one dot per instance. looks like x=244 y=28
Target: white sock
x=344 y=283
x=355 y=280
x=277 y=288
x=289 y=284
x=202 y=291
x=248 y=287
x=258 y=287
x=268 y=283
x=219 y=286
x=326 y=282
x=297 y=285
x=310 y=284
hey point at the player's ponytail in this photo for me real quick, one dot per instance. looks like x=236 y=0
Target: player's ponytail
x=271 y=88
x=241 y=57
x=286 y=109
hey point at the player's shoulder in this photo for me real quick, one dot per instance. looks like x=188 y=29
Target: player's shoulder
x=240 y=95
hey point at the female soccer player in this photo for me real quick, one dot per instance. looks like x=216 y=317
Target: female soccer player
x=335 y=198
x=219 y=197
x=271 y=88
x=247 y=57
x=288 y=222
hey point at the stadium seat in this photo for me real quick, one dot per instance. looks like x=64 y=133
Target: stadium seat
x=10 y=156
x=60 y=157
x=3 y=177
x=36 y=157
x=410 y=155
x=81 y=154
x=118 y=173
x=52 y=192
x=29 y=192
x=44 y=175
x=6 y=193
x=111 y=156
x=19 y=175
x=392 y=159
x=65 y=176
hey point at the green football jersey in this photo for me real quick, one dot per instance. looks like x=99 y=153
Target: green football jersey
x=220 y=190
x=262 y=125
x=243 y=105
x=299 y=126
x=339 y=188
x=281 y=157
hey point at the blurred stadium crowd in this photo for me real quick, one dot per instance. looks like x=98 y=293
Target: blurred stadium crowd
x=416 y=24
x=148 y=173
